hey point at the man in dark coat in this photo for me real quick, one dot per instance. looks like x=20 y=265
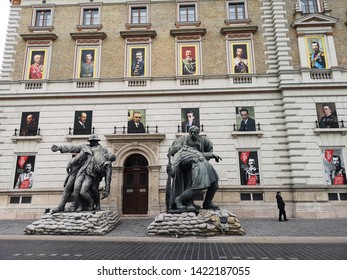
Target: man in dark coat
x=280 y=205
x=247 y=123
x=135 y=125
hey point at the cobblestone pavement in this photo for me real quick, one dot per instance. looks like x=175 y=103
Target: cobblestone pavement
x=265 y=239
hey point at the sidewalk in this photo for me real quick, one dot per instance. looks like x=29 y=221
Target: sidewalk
x=308 y=230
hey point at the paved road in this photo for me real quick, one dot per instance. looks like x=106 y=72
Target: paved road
x=265 y=240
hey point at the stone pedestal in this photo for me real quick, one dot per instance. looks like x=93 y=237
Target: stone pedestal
x=203 y=223
x=72 y=223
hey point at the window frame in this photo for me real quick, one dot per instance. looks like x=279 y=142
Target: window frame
x=31 y=51
x=138 y=7
x=235 y=2
x=35 y=11
x=248 y=44
x=306 y=4
x=86 y=7
x=187 y=3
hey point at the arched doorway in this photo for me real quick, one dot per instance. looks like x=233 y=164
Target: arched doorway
x=135 y=185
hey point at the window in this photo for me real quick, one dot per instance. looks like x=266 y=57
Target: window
x=252 y=196
x=236 y=10
x=91 y=16
x=309 y=6
x=187 y=13
x=333 y=196
x=20 y=199
x=43 y=18
x=343 y=196
x=138 y=15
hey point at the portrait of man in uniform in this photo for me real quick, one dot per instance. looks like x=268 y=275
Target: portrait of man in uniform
x=24 y=173
x=36 y=64
x=334 y=167
x=87 y=66
x=327 y=115
x=240 y=58
x=188 y=61
x=316 y=52
x=249 y=168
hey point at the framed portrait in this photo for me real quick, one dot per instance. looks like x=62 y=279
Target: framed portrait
x=249 y=168
x=136 y=121
x=188 y=59
x=83 y=123
x=240 y=54
x=29 y=123
x=245 y=118
x=334 y=167
x=87 y=61
x=24 y=173
x=36 y=64
x=316 y=52
x=189 y=117
x=327 y=115
x=138 y=60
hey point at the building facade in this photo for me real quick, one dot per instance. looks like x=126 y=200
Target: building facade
x=265 y=80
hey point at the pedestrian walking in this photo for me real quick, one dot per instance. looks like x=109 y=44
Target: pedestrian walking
x=281 y=205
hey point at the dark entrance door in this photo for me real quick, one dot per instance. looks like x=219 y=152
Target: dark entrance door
x=135 y=185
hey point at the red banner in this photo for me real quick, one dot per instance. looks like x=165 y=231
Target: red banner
x=338 y=180
x=22 y=160
x=244 y=157
x=252 y=180
x=25 y=184
x=328 y=154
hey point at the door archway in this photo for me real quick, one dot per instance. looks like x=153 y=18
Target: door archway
x=135 y=185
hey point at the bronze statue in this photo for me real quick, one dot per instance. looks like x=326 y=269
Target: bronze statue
x=85 y=172
x=191 y=172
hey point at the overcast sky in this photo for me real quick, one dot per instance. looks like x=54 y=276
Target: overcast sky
x=4 y=11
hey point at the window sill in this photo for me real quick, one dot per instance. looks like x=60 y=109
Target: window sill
x=89 y=27
x=187 y=23
x=138 y=25
x=238 y=21
x=236 y=134
x=318 y=131
x=40 y=28
x=37 y=138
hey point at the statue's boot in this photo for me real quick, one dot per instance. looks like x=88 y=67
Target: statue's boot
x=182 y=199
x=208 y=204
x=190 y=206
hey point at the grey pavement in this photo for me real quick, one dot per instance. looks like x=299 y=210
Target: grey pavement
x=265 y=239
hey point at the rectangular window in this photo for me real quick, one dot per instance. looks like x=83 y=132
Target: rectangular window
x=91 y=16
x=14 y=199
x=43 y=18
x=245 y=196
x=343 y=196
x=237 y=10
x=139 y=15
x=309 y=6
x=333 y=196
x=187 y=13
x=257 y=196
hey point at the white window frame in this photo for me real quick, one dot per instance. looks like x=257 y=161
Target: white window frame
x=185 y=4
x=229 y=2
x=138 y=6
x=45 y=8
x=90 y=7
x=318 y=4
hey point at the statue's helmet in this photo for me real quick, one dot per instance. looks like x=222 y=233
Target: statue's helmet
x=93 y=137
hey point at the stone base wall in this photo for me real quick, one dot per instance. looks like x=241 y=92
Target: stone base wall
x=84 y=223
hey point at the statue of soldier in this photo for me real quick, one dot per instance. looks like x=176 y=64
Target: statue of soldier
x=192 y=172
x=85 y=172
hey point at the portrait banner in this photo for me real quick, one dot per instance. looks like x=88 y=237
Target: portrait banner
x=189 y=117
x=327 y=115
x=245 y=118
x=138 y=61
x=316 y=52
x=249 y=168
x=334 y=167
x=188 y=59
x=87 y=61
x=29 y=124
x=36 y=64
x=24 y=172
x=83 y=123
x=136 y=121
x=240 y=55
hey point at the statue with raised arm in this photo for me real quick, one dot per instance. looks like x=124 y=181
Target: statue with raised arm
x=85 y=172
x=192 y=172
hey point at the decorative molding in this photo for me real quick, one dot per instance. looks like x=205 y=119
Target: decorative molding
x=135 y=137
x=89 y=27
x=236 y=134
x=88 y=35
x=188 y=31
x=37 y=138
x=239 y=29
x=138 y=33
x=319 y=131
x=187 y=23
x=138 y=25
x=238 y=21
x=39 y=36
x=41 y=28
x=314 y=20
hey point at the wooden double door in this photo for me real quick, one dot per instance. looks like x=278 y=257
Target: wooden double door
x=135 y=188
